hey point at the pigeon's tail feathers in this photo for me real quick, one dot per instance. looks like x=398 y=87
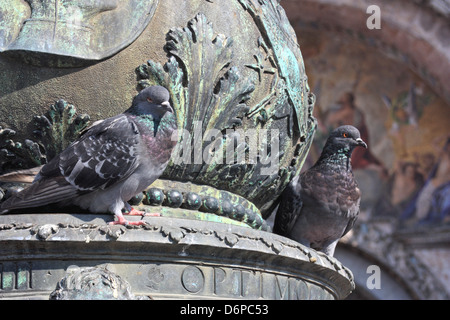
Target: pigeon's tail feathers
x=20 y=176
x=39 y=194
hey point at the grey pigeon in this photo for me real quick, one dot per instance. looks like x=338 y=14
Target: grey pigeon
x=320 y=206
x=111 y=162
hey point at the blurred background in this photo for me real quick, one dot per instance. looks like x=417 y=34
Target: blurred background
x=384 y=66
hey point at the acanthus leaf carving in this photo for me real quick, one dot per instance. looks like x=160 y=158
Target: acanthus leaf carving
x=53 y=132
x=203 y=84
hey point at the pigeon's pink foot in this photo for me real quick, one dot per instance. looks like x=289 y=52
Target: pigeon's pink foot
x=134 y=212
x=122 y=221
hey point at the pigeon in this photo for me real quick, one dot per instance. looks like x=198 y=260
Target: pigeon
x=21 y=176
x=111 y=162
x=321 y=205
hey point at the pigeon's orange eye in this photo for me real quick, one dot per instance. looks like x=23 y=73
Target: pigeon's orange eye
x=345 y=135
x=149 y=100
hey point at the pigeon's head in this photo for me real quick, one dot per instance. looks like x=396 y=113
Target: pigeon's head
x=345 y=138
x=153 y=100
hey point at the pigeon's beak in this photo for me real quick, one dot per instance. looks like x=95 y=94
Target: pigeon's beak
x=361 y=143
x=167 y=105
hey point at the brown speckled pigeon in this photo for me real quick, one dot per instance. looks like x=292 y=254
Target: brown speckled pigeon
x=110 y=163
x=321 y=205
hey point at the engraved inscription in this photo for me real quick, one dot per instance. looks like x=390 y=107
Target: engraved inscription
x=290 y=289
x=237 y=283
x=192 y=279
x=222 y=282
x=163 y=279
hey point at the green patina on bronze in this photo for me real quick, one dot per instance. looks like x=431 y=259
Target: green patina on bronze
x=202 y=202
x=59 y=127
x=52 y=133
x=7 y=281
x=22 y=277
x=190 y=214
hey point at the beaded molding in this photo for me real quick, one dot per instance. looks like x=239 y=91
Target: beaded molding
x=192 y=197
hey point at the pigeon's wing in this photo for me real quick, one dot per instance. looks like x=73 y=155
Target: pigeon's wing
x=289 y=208
x=354 y=198
x=21 y=176
x=104 y=155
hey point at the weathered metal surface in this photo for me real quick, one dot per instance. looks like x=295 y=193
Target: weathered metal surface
x=203 y=202
x=60 y=33
x=169 y=258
